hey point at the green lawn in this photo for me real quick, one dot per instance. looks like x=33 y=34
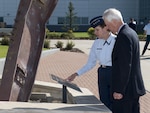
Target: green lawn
x=3 y=51
x=81 y=34
x=76 y=34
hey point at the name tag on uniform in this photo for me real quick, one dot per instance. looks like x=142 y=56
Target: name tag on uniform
x=99 y=48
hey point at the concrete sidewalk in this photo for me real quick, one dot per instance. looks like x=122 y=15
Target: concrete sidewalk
x=85 y=46
x=145 y=66
x=74 y=61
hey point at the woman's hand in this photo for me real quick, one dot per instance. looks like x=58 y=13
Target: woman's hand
x=71 y=77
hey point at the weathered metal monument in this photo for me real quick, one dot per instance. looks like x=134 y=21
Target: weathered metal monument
x=25 y=49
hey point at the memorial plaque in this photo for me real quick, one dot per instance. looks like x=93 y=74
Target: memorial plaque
x=65 y=83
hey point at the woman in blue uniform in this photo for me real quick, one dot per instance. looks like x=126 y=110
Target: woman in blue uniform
x=101 y=51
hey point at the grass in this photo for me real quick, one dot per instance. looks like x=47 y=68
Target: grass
x=76 y=34
x=3 y=51
x=81 y=34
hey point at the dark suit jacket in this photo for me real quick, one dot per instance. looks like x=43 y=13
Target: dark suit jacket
x=126 y=70
x=132 y=25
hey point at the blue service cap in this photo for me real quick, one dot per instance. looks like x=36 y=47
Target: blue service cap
x=97 y=21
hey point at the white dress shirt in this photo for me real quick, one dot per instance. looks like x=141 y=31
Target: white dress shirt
x=99 y=52
x=147 y=29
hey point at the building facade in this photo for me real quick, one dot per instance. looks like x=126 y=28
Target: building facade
x=144 y=11
x=85 y=10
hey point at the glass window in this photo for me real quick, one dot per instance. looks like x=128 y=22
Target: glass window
x=84 y=20
x=1 y=19
x=76 y=20
x=61 y=20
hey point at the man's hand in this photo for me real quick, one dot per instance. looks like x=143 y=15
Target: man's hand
x=117 y=96
x=72 y=77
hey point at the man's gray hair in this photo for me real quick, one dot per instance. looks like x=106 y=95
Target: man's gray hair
x=112 y=14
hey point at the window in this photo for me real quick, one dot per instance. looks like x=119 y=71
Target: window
x=61 y=20
x=1 y=19
x=84 y=20
x=77 y=20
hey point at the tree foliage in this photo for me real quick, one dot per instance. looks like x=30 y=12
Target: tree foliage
x=70 y=18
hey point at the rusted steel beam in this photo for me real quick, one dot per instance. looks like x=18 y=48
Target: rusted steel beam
x=25 y=49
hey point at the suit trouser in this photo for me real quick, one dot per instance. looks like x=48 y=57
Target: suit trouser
x=104 y=75
x=146 y=44
x=126 y=106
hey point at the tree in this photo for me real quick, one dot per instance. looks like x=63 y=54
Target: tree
x=70 y=19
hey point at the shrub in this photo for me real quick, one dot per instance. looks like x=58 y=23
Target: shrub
x=2 y=34
x=53 y=35
x=91 y=32
x=69 y=45
x=67 y=36
x=46 y=43
x=70 y=31
x=59 y=44
x=142 y=37
x=5 y=41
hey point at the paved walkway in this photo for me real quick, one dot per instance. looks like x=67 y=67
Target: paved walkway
x=64 y=64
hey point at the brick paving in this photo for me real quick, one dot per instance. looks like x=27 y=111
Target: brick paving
x=63 y=64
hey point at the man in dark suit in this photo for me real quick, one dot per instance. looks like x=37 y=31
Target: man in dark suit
x=127 y=83
x=132 y=24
